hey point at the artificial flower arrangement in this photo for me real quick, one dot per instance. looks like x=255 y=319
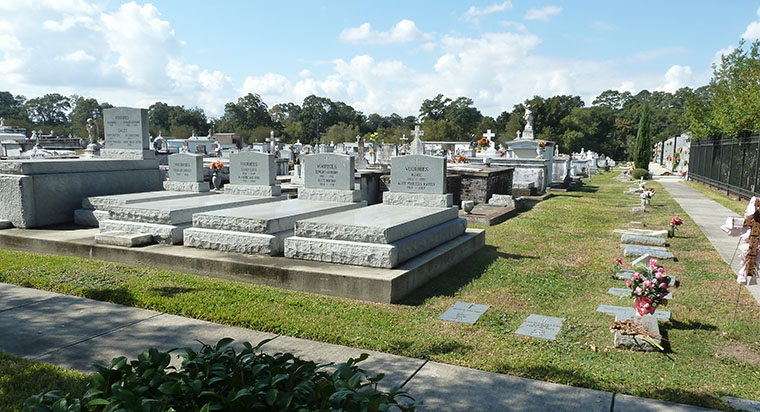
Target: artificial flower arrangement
x=483 y=143
x=674 y=223
x=541 y=144
x=649 y=286
x=459 y=159
x=217 y=166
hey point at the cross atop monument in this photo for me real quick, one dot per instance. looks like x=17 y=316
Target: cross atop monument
x=403 y=138
x=417 y=133
x=489 y=135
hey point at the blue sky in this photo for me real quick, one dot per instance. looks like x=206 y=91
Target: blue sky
x=377 y=56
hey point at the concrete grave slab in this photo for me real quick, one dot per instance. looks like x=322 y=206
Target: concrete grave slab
x=375 y=224
x=164 y=234
x=179 y=211
x=643 y=240
x=636 y=224
x=124 y=239
x=454 y=388
x=90 y=217
x=625 y=312
x=628 y=274
x=539 y=326
x=638 y=343
x=35 y=333
x=626 y=291
x=631 y=250
x=641 y=232
x=107 y=202
x=657 y=248
x=641 y=259
x=464 y=312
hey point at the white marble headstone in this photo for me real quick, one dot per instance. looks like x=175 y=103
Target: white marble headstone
x=329 y=171
x=418 y=174
x=252 y=168
x=126 y=128
x=185 y=167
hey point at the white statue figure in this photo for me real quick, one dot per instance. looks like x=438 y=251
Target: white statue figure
x=556 y=151
x=91 y=130
x=528 y=131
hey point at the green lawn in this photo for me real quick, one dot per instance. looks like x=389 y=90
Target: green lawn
x=555 y=259
x=21 y=378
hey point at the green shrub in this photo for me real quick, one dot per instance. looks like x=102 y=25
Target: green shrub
x=216 y=378
x=637 y=174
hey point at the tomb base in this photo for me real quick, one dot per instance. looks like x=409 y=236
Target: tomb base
x=635 y=342
x=329 y=195
x=89 y=217
x=128 y=154
x=124 y=239
x=377 y=255
x=164 y=234
x=238 y=242
x=252 y=190
x=186 y=186
x=418 y=199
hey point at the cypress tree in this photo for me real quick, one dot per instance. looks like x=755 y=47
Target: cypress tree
x=643 y=150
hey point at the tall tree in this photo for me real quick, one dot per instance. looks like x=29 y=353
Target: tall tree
x=11 y=106
x=434 y=109
x=49 y=110
x=643 y=153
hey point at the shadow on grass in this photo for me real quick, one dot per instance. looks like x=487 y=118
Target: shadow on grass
x=687 y=397
x=171 y=291
x=586 y=188
x=449 y=282
x=691 y=325
x=120 y=295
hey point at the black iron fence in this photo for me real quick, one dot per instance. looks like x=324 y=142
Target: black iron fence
x=727 y=164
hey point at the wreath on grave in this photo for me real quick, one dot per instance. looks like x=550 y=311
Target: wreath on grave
x=649 y=286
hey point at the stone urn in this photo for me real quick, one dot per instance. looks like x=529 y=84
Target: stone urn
x=216 y=180
x=468 y=205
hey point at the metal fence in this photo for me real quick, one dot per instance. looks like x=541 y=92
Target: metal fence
x=727 y=164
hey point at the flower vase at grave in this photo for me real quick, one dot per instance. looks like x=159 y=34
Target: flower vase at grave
x=643 y=306
x=216 y=180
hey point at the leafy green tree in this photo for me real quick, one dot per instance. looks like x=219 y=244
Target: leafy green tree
x=11 y=106
x=435 y=108
x=463 y=114
x=49 y=110
x=158 y=118
x=245 y=115
x=86 y=108
x=643 y=153
x=341 y=132
x=316 y=116
x=444 y=130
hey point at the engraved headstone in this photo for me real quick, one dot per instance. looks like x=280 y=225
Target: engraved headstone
x=126 y=133
x=627 y=312
x=252 y=168
x=185 y=167
x=418 y=174
x=329 y=171
x=539 y=326
x=464 y=312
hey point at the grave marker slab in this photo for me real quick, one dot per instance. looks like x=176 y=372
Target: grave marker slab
x=329 y=171
x=252 y=168
x=539 y=326
x=643 y=240
x=742 y=404
x=185 y=167
x=643 y=258
x=126 y=133
x=631 y=250
x=418 y=174
x=464 y=312
x=625 y=312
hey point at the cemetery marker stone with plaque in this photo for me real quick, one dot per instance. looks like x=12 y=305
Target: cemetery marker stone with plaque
x=329 y=171
x=464 y=312
x=254 y=174
x=539 y=326
x=418 y=180
x=126 y=134
x=186 y=173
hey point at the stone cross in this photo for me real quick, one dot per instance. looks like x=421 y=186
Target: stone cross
x=2 y=121
x=489 y=135
x=518 y=134
x=753 y=222
x=417 y=133
x=273 y=141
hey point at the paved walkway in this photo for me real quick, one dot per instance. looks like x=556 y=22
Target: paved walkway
x=74 y=332
x=709 y=215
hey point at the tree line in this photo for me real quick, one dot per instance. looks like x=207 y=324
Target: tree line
x=729 y=106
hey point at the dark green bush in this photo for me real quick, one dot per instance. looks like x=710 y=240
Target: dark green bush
x=637 y=174
x=217 y=378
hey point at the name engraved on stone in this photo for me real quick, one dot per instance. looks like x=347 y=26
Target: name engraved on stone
x=464 y=312
x=252 y=168
x=418 y=174
x=126 y=128
x=539 y=326
x=329 y=171
x=185 y=167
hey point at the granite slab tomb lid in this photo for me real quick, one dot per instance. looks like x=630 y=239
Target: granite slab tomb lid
x=252 y=168
x=539 y=326
x=418 y=174
x=185 y=167
x=329 y=171
x=464 y=312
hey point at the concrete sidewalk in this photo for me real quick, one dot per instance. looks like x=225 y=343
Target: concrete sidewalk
x=74 y=332
x=709 y=215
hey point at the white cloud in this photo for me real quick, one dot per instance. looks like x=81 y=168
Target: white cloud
x=602 y=25
x=753 y=30
x=79 y=56
x=717 y=58
x=543 y=13
x=677 y=77
x=402 y=32
x=474 y=13
x=653 y=54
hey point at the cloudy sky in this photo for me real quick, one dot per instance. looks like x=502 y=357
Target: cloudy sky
x=376 y=56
